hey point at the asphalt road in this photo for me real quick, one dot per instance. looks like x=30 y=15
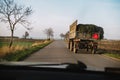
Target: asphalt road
x=57 y=52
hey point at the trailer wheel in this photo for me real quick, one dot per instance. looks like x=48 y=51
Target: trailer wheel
x=75 y=50
x=94 y=50
x=87 y=48
x=71 y=46
x=68 y=46
x=74 y=47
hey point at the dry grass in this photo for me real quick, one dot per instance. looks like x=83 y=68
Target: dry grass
x=22 y=54
x=6 y=50
x=39 y=43
x=109 y=45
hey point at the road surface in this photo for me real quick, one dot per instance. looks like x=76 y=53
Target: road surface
x=57 y=52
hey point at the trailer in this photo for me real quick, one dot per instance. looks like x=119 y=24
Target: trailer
x=78 y=40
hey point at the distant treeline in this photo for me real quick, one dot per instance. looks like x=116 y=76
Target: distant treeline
x=91 y=29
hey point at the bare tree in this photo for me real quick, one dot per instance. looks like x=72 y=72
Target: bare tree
x=12 y=13
x=62 y=35
x=26 y=35
x=49 y=32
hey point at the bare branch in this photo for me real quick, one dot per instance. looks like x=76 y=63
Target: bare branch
x=3 y=20
x=12 y=13
x=49 y=32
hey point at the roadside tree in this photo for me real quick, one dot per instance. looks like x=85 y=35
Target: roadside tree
x=62 y=36
x=49 y=32
x=12 y=13
x=25 y=35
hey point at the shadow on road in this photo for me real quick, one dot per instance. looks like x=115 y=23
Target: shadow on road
x=83 y=51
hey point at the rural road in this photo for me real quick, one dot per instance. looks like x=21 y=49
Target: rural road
x=57 y=52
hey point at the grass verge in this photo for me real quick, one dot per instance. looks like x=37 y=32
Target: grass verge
x=22 y=54
x=113 y=55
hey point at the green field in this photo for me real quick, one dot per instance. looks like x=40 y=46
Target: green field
x=23 y=43
x=18 y=44
x=3 y=44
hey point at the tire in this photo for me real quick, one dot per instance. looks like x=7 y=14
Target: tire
x=94 y=50
x=87 y=48
x=68 y=46
x=75 y=47
x=75 y=50
x=71 y=46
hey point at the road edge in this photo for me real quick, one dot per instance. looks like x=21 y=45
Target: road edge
x=110 y=57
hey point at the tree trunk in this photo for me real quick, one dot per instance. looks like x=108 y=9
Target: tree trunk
x=11 y=39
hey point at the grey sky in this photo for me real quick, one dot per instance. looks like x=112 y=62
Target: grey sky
x=59 y=14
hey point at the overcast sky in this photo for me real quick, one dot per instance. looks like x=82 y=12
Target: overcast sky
x=59 y=14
